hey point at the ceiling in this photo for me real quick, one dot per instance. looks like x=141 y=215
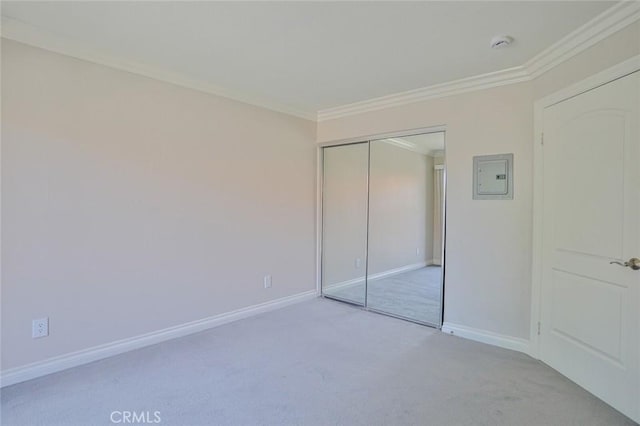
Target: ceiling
x=310 y=56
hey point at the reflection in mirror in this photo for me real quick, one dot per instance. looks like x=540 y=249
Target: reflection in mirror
x=406 y=211
x=344 y=225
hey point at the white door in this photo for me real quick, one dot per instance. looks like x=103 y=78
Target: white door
x=590 y=308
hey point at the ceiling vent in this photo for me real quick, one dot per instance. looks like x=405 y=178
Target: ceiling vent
x=498 y=42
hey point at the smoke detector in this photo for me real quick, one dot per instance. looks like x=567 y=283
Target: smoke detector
x=498 y=42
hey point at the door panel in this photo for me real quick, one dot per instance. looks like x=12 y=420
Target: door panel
x=588 y=175
x=590 y=309
x=402 y=279
x=344 y=222
x=589 y=323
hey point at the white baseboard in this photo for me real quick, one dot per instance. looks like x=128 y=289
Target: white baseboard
x=74 y=359
x=489 y=337
x=347 y=283
x=396 y=271
x=383 y=274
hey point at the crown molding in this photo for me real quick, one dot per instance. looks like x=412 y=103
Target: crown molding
x=413 y=147
x=479 y=82
x=602 y=26
x=13 y=29
x=401 y=143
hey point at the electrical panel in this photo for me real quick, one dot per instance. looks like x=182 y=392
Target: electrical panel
x=493 y=177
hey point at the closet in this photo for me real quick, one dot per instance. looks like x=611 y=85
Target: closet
x=383 y=211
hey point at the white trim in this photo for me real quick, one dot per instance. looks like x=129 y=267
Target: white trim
x=479 y=82
x=488 y=337
x=412 y=146
x=401 y=143
x=603 y=77
x=319 y=221
x=383 y=274
x=619 y=70
x=602 y=26
x=536 y=264
x=63 y=362
x=388 y=135
x=396 y=271
x=347 y=283
x=24 y=33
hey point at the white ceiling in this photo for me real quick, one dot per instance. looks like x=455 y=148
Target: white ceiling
x=311 y=56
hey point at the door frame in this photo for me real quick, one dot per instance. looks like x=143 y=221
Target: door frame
x=319 y=195
x=620 y=70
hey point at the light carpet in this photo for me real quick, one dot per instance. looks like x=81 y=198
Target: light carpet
x=415 y=295
x=315 y=363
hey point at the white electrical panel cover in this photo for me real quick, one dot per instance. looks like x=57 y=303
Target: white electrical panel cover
x=493 y=177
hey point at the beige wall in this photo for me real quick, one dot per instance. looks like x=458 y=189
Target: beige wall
x=130 y=205
x=489 y=243
x=400 y=207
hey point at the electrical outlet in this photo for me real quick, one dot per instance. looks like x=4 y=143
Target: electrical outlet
x=358 y=263
x=267 y=281
x=418 y=251
x=40 y=328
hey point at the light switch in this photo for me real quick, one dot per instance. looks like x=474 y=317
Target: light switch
x=493 y=177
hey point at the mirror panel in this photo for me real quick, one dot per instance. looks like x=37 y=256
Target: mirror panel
x=344 y=226
x=405 y=227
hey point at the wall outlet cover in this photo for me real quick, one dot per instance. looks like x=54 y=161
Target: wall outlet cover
x=40 y=328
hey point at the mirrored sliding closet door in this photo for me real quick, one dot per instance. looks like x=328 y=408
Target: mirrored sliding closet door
x=405 y=274
x=383 y=232
x=344 y=222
